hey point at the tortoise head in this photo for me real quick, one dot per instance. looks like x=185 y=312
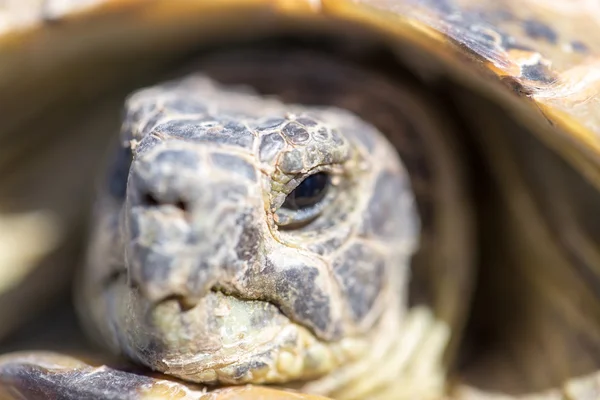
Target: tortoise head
x=246 y=239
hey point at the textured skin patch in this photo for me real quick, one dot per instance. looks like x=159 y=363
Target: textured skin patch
x=310 y=305
x=306 y=308
x=270 y=146
x=249 y=245
x=235 y=164
x=386 y=217
x=177 y=158
x=329 y=245
x=295 y=133
x=155 y=267
x=292 y=162
x=360 y=271
x=270 y=124
x=212 y=131
x=185 y=129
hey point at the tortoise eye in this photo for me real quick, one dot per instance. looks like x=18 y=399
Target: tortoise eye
x=305 y=202
x=308 y=193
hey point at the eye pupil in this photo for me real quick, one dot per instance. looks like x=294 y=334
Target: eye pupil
x=308 y=193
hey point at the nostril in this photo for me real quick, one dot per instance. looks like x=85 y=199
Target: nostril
x=134 y=284
x=151 y=200
x=185 y=303
x=157 y=296
x=182 y=205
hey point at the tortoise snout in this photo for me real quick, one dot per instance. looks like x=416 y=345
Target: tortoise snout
x=165 y=179
x=182 y=220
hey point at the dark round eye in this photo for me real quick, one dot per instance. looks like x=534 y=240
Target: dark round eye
x=308 y=193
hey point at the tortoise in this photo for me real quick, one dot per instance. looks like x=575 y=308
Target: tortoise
x=287 y=199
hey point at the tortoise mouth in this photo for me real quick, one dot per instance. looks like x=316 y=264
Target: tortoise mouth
x=188 y=304
x=218 y=339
